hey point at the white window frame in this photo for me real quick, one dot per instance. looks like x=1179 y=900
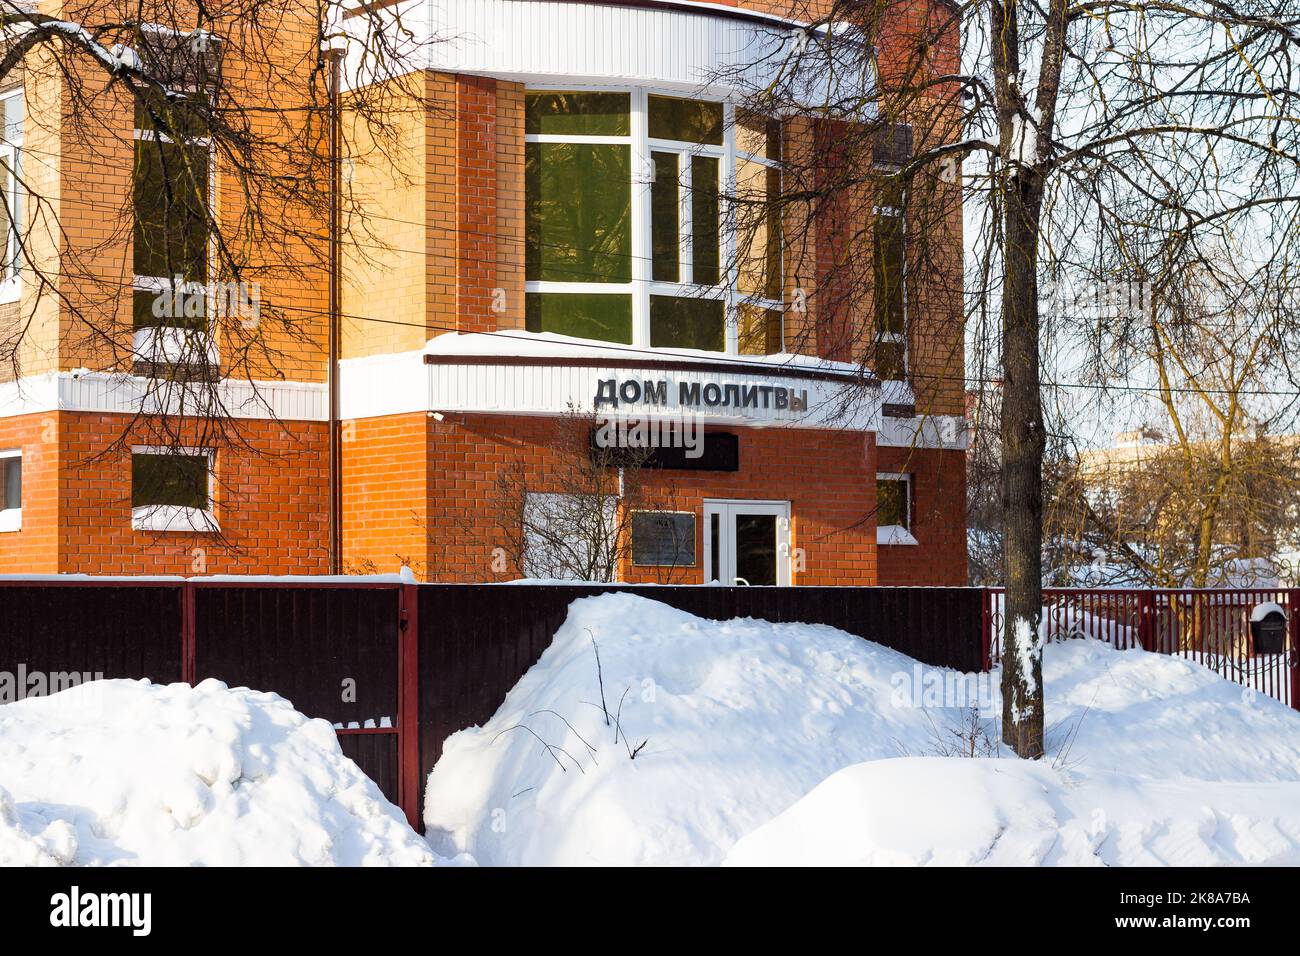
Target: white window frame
x=727 y=509
x=11 y=144
x=642 y=284
x=178 y=517
x=11 y=519
x=892 y=534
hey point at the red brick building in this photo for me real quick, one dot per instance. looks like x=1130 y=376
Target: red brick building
x=554 y=257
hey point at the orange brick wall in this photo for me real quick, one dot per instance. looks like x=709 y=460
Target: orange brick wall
x=270 y=502
x=385 y=492
x=449 y=535
x=34 y=549
x=938 y=518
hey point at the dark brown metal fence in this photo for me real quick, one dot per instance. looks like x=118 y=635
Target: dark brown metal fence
x=396 y=668
x=334 y=649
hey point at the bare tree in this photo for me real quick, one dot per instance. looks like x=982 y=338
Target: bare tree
x=1090 y=141
x=1207 y=487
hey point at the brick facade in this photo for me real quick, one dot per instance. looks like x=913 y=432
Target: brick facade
x=938 y=518
x=269 y=497
x=448 y=528
x=434 y=243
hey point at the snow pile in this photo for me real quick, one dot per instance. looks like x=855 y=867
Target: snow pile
x=1151 y=759
x=128 y=772
x=739 y=719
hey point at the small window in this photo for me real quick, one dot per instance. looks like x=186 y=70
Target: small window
x=894 y=509
x=171 y=490
x=11 y=490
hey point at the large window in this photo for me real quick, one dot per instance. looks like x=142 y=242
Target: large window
x=628 y=239
x=172 y=199
x=12 y=114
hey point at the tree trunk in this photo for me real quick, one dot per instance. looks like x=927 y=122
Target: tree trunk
x=1023 y=445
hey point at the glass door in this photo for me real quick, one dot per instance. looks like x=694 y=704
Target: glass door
x=747 y=542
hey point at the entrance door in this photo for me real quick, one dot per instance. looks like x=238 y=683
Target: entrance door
x=747 y=542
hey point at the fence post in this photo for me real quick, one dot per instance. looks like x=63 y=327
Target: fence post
x=1293 y=633
x=189 y=624
x=1147 y=620
x=986 y=627
x=408 y=702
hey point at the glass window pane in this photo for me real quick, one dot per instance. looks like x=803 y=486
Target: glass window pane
x=891 y=503
x=579 y=212
x=689 y=121
x=687 y=323
x=758 y=135
x=13 y=109
x=604 y=317
x=11 y=482
x=8 y=235
x=170 y=198
x=169 y=479
x=163 y=309
x=760 y=331
x=715 y=555
x=705 y=210
x=178 y=120
x=888 y=265
x=756 y=549
x=758 y=229
x=665 y=219
x=891 y=361
x=584 y=114
x=889 y=274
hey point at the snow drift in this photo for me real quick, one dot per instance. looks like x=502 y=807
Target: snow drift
x=128 y=772
x=1151 y=759
x=739 y=720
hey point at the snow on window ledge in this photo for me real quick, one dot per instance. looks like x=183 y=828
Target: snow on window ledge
x=173 y=518
x=894 y=534
x=11 y=519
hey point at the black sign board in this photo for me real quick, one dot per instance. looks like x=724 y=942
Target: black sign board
x=663 y=538
x=714 y=451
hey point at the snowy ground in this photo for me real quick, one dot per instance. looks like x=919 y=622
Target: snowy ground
x=128 y=772
x=1152 y=759
x=739 y=742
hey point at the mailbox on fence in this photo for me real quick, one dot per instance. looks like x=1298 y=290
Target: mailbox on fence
x=1268 y=628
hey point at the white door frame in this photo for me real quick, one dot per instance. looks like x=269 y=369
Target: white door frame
x=726 y=509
